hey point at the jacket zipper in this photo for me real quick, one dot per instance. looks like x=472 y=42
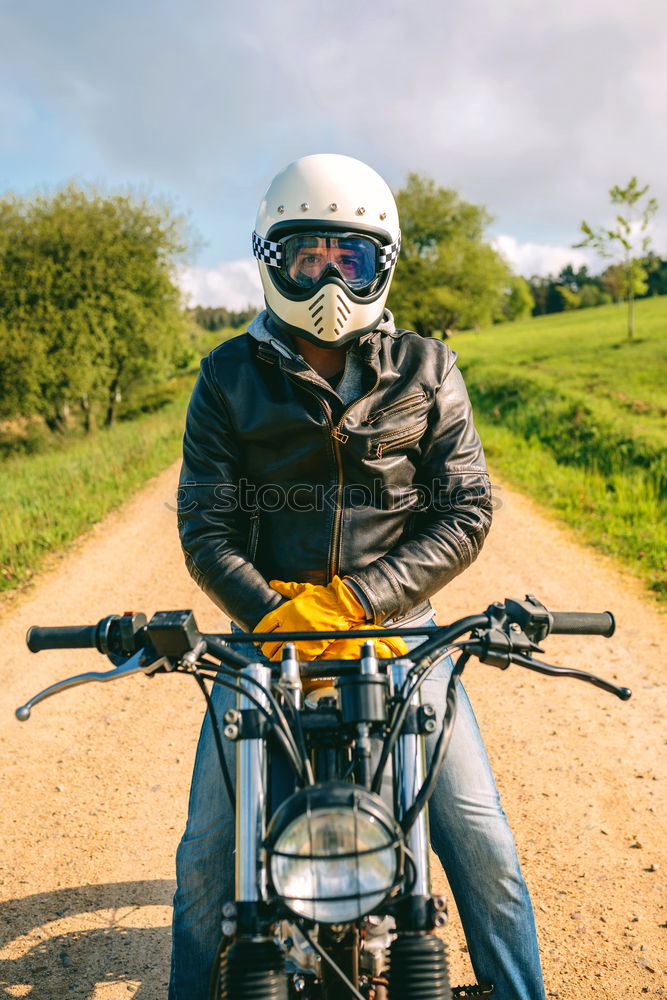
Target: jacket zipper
x=408 y=402
x=253 y=536
x=337 y=459
x=401 y=437
x=338 y=437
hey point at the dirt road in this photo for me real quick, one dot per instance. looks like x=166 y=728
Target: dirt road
x=95 y=784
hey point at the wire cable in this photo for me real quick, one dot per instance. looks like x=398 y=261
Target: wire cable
x=266 y=692
x=316 y=946
x=400 y=714
x=300 y=736
x=293 y=757
x=428 y=787
x=226 y=777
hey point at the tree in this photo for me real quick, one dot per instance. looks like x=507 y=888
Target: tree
x=657 y=275
x=447 y=276
x=218 y=317
x=518 y=301
x=88 y=306
x=628 y=239
x=569 y=299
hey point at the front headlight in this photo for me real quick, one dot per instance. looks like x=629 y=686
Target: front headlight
x=335 y=852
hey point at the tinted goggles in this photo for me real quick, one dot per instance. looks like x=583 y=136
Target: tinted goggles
x=304 y=257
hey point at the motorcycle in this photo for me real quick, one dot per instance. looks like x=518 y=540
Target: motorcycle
x=332 y=885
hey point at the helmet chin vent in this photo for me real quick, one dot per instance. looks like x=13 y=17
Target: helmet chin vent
x=315 y=309
x=330 y=312
x=342 y=314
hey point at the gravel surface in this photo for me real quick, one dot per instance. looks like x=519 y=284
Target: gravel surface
x=95 y=787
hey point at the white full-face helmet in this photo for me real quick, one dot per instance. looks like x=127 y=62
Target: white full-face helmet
x=327 y=239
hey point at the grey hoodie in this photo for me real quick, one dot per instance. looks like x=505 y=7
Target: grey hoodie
x=349 y=387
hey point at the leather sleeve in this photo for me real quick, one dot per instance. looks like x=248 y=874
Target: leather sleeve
x=212 y=527
x=455 y=517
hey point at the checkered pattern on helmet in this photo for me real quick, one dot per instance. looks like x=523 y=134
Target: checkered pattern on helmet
x=388 y=255
x=266 y=251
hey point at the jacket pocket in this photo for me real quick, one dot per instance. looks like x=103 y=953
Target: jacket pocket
x=253 y=536
x=398 y=438
x=409 y=402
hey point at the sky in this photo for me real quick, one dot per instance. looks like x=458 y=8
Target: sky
x=532 y=109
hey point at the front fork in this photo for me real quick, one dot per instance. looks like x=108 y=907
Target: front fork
x=417 y=961
x=252 y=967
x=251 y=784
x=409 y=769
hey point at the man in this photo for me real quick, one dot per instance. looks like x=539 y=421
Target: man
x=332 y=478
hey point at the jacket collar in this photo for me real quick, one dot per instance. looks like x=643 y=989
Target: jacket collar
x=274 y=341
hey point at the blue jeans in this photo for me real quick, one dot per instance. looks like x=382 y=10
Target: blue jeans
x=469 y=833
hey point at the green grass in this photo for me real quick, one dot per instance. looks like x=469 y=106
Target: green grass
x=575 y=415
x=568 y=410
x=70 y=482
x=49 y=499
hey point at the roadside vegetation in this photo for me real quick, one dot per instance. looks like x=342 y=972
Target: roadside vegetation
x=56 y=489
x=49 y=499
x=99 y=355
x=573 y=413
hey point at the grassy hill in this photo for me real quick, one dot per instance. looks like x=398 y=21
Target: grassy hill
x=568 y=411
x=573 y=413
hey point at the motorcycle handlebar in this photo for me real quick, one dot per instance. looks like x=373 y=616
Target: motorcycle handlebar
x=582 y=623
x=40 y=637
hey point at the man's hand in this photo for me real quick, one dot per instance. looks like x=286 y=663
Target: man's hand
x=311 y=608
x=350 y=649
x=323 y=609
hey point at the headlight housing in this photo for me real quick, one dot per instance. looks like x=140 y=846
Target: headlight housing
x=335 y=852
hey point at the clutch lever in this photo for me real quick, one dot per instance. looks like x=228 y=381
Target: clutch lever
x=135 y=665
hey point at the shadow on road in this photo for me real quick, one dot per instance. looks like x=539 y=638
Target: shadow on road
x=80 y=942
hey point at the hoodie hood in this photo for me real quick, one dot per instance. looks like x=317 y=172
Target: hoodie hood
x=263 y=330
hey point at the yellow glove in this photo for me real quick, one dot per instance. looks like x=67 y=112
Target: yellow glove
x=350 y=649
x=310 y=608
x=347 y=649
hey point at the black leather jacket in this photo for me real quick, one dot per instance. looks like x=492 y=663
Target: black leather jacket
x=281 y=480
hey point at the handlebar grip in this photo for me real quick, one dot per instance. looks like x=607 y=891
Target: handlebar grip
x=40 y=637
x=582 y=623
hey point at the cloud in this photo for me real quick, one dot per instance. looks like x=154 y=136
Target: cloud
x=540 y=258
x=532 y=110
x=233 y=284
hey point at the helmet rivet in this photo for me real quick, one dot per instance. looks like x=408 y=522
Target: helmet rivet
x=361 y=211
x=281 y=209
x=305 y=206
x=383 y=215
x=333 y=206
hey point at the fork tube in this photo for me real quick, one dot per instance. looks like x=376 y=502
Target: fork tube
x=251 y=770
x=409 y=770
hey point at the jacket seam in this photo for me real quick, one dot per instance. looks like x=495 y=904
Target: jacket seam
x=213 y=383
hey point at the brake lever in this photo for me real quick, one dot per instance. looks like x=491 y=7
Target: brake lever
x=135 y=665
x=547 y=668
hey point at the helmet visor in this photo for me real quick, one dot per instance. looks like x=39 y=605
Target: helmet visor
x=306 y=256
